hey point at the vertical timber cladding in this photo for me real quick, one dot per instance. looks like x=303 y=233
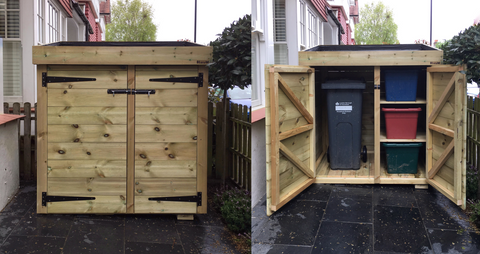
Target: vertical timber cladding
x=87 y=139
x=166 y=140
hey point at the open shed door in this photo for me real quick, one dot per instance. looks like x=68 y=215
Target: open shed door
x=446 y=134
x=290 y=132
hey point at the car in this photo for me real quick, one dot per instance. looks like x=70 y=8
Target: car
x=240 y=96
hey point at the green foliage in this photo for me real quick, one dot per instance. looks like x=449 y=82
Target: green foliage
x=231 y=60
x=474 y=211
x=235 y=206
x=376 y=25
x=472 y=182
x=465 y=49
x=131 y=21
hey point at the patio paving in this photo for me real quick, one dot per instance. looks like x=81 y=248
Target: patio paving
x=364 y=219
x=22 y=230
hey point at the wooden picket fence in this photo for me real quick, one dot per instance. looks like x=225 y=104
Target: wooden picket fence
x=27 y=141
x=231 y=144
x=473 y=131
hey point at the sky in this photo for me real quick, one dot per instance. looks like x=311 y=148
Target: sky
x=413 y=18
x=175 y=19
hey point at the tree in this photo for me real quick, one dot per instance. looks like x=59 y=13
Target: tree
x=131 y=21
x=376 y=25
x=465 y=49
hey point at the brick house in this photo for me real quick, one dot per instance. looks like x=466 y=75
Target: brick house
x=37 y=22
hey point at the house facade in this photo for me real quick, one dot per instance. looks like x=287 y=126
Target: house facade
x=27 y=23
x=280 y=29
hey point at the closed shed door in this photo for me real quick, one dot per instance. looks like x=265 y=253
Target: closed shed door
x=86 y=167
x=166 y=136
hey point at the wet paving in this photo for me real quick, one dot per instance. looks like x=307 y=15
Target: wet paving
x=364 y=219
x=22 y=230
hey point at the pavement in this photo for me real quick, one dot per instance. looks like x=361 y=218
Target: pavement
x=364 y=219
x=22 y=230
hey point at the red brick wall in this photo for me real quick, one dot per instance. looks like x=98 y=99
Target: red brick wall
x=341 y=18
x=66 y=5
x=320 y=6
x=96 y=36
x=349 y=34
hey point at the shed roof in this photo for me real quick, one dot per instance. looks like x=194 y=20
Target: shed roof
x=125 y=44
x=393 y=47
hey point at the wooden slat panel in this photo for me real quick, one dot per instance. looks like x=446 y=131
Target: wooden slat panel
x=87 y=115
x=442 y=100
x=288 y=172
x=87 y=168
x=143 y=205
x=162 y=115
x=165 y=151
x=42 y=139
x=101 y=204
x=377 y=121
x=166 y=133
x=145 y=73
x=202 y=139
x=85 y=98
x=152 y=169
x=273 y=141
x=166 y=187
x=87 y=133
x=87 y=151
x=296 y=101
x=121 y=55
x=442 y=159
x=460 y=139
x=111 y=79
x=292 y=158
x=168 y=98
x=131 y=141
x=441 y=130
x=86 y=186
x=370 y=58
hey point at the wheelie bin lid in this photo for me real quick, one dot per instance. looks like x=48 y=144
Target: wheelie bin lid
x=343 y=84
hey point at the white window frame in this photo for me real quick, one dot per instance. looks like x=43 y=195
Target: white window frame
x=312 y=29
x=302 y=23
x=51 y=22
x=281 y=42
x=7 y=39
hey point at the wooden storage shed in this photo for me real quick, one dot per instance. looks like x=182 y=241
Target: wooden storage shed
x=297 y=123
x=122 y=127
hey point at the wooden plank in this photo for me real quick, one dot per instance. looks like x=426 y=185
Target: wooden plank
x=87 y=151
x=80 y=133
x=86 y=186
x=87 y=115
x=292 y=193
x=370 y=58
x=131 y=98
x=443 y=158
x=429 y=133
x=296 y=131
x=441 y=130
x=292 y=69
x=85 y=98
x=311 y=108
x=185 y=217
x=296 y=102
x=27 y=142
x=143 y=205
x=157 y=169
x=101 y=204
x=168 y=98
x=166 y=115
x=274 y=141
x=96 y=55
x=202 y=140
x=287 y=153
x=166 y=187
x=42 y=139
x=446 y=192
x=377 y=124
x=460 y=139
x=165 y=151
x=166 y=133
x=110 y=78
x=210 y=141
x=87 y=168
x=442 y=100
x=145 y=73
x=444 y=68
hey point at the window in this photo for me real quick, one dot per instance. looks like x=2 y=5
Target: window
x=280 y=32
x=312 y=29
x=51 y=23
x=12 y=48
x=302 y=23
x=40 y=21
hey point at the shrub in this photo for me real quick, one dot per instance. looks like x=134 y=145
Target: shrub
x=235 y=207
x=472 y=182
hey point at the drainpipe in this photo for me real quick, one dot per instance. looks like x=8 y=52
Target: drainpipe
x=88 y=27
x=335 y=19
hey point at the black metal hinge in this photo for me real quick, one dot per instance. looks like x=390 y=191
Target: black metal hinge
x=197 y=199
x=46 y=198
x=198 y=80
x=49 y=79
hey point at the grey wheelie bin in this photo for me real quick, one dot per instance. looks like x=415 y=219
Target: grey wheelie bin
x=344 y=106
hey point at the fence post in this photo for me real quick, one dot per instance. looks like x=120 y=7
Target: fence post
x=34 y=169
x=219 y=151
x=5 y=108
x=27 y=141
x=16 y=111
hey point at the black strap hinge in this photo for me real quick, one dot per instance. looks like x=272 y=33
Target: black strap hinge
x=49 y=79
x=46 y=199
x=197 y=199
x=198 y=80
x=376 y=86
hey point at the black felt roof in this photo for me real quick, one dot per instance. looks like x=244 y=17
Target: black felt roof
x=394 y=47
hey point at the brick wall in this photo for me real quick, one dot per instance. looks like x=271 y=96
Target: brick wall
x=66 y=5
x=343 y=22
x=96 y=36
x=321 y=5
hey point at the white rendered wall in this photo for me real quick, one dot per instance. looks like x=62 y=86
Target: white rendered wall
x=9 y=165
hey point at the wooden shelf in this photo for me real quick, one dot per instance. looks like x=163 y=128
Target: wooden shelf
x=421 y=137
x=418 y=101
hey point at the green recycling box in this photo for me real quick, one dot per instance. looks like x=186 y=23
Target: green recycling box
x=402 y=158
